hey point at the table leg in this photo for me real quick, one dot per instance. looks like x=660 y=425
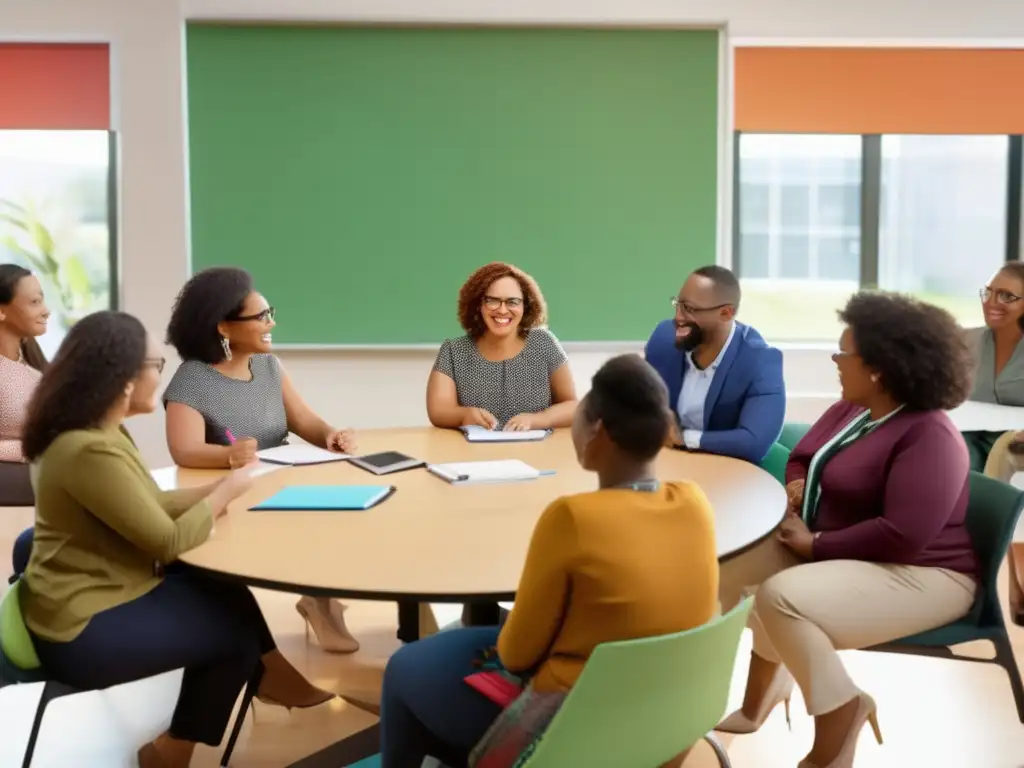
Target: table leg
x=408 y=621
x=481 y=615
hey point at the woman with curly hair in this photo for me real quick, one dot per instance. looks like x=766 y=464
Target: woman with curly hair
x=102 y=596
x=873 y=547
x=508 y=372
x=232 y=397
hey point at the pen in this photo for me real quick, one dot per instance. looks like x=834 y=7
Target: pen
x=231 y=437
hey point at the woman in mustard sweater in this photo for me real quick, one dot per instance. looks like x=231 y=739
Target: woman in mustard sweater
x=637 y=555
x=99 y=604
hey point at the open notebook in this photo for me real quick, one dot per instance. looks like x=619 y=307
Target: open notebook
x=480 y=435
x=505 y=471
x=325 y=498
x=299 y=454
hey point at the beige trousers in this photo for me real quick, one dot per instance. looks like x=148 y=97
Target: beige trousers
x=1001 y=464
x=804 y=613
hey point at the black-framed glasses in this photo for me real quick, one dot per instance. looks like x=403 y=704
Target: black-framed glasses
x=493 y=302
x=266 y=316
x=1002 y=297
x=693 y=309
x=157 y=362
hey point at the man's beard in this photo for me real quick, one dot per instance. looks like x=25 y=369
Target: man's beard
x=691 y=340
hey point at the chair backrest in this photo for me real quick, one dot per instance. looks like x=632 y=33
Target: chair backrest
x=15 y=641
x=641 y=702
x=992 y=514
x=775 y=462
x=792 y=433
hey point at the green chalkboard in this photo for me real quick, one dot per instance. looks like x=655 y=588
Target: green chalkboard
x=361 y=173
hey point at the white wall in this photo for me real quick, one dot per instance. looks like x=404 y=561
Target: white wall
x=365 y=389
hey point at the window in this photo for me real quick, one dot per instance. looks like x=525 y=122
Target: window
x=937 y=207
x=942 y=230
x=55 y=219
x=799 y=231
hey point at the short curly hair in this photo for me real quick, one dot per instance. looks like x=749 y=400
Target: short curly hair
x=918 y=349
x=208 y=298
x=471 y=296
x=628 y=396
x=100 y=355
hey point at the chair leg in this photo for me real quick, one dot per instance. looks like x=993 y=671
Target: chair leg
x=720 y=753
x=51 y=690
x=1005 y=659
x=247 y=696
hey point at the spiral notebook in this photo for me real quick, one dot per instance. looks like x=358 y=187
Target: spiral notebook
x=325 y=498
x=481 y=435
x=466 y=472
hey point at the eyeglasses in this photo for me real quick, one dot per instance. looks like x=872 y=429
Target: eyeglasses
x=692 y=309
x=266 y=316
x=1002 y=297
x=493 y=302
x=156 y=362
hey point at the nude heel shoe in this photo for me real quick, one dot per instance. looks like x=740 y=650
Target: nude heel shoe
x=779 y=692
x=867 y=711
x=329 y=635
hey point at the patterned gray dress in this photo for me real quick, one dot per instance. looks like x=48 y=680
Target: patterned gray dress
x=253 y=408
x=521 y=384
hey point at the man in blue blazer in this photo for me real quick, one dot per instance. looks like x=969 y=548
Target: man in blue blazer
x=724 y=381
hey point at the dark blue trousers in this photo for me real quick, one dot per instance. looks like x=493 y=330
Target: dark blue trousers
x=427 y=708
x=22 y=551
x=213 y=629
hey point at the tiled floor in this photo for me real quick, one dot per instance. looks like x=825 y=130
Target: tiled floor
x=933 y=713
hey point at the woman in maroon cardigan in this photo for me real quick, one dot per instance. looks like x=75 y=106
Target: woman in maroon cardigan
x=873 y=547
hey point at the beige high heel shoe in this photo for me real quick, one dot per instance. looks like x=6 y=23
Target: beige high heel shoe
x=867 y=710
x=329 y=628
x=780 y=691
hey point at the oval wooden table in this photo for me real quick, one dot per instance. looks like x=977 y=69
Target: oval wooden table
x=434 y=542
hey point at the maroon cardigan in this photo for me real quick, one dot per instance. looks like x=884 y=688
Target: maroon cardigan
x=897 y=495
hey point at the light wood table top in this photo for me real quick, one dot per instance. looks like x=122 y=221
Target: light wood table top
x=435 y=542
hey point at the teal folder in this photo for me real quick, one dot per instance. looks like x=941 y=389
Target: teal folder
x=325 y=498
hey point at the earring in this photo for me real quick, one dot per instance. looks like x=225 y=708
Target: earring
x=226 y=345
x=874 y=378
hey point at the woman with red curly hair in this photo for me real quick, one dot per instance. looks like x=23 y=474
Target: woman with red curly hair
x=508 y=372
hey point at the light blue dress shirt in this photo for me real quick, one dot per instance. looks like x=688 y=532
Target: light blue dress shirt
x=692 y=397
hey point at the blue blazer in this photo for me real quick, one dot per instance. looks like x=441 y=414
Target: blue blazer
x=746 y=405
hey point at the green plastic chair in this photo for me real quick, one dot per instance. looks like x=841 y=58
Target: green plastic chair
x=639 y=703
x=792 y=433
x=992 y=515
x=775 y=462
x=19 y=664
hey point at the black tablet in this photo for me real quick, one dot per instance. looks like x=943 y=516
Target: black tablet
x=386 y=462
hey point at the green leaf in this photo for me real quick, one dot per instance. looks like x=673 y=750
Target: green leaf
x=77 y=280
x=38 y=264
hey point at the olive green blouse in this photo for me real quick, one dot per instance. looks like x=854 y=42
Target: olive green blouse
x=102 y=526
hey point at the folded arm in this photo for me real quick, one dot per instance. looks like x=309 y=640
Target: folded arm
x=543 y=593
x=761 y=417
x=914 y=511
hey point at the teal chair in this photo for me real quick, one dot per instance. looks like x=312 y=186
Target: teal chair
x=992 y=515
x=792 y=433
x=19 y=664
x=639 y=703
x=775 y=462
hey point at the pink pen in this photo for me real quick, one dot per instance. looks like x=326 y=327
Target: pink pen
x=231 y=437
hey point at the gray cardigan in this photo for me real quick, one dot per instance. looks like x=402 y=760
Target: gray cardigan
x=1008 y=387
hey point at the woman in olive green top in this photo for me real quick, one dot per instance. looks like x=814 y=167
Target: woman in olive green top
x=96 y=598
x=998 y=354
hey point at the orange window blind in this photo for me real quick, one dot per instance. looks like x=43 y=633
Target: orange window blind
x=54 y=86
x=879 y=90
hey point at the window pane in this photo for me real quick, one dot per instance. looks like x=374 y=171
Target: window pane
x=799 y=199
x=54 y=215
x=943 y=218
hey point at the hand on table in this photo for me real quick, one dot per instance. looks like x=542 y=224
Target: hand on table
x=242 y=452
x=794 y=534
x=478 y=417
x=341 y=441
x=237 y=482
x=524 y=422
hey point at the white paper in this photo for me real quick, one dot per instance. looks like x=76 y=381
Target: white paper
x=508 y=470
x=298 y=454
x=480 y=435
x=973 y=416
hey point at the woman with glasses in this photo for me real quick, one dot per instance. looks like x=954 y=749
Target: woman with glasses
x=998 y=365
x=232 y=397
x=100 y=597
x=508 y=371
